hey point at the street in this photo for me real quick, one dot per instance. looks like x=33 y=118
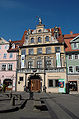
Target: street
x=46 y=106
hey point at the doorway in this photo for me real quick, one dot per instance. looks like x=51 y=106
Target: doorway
x=34 y=83
x=8 y=84
x=73 y=85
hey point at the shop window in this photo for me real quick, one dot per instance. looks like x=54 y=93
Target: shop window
x=70 y=69
x=20 y=78
x=50 y=83
x=56 y=83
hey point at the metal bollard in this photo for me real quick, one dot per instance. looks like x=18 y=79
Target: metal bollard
x=10 y=95
x=13 y=101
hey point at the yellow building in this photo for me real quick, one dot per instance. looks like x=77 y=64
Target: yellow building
x=41 y=60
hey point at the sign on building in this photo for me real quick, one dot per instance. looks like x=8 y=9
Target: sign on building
x=62 y=86
x=22 y=61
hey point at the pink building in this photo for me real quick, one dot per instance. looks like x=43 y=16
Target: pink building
x=8 y=66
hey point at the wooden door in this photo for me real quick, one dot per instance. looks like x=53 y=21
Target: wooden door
x=35 y=85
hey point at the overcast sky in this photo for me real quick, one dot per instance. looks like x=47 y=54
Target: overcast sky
x=18 y=15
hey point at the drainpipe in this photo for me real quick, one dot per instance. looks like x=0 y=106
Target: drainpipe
x=44 y=87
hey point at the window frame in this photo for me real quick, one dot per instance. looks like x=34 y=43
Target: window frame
x=39 y=39
x=32 y=40
x=48 y=63
x=39 y=64
x=47 y=39
x=71 y=56
x=76 y=70
x=9 y=67
x=72 y=69
x=32 y=52
x=56 y=51
x=23 y=52
x=30 y=64
x=5 y=56
x=5 y=67
x=48 y=51
x=38 y=50
x=11 y=55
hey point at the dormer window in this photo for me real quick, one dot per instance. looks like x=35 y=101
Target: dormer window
x=39 y=39
x=47 y=38
x=32 y=40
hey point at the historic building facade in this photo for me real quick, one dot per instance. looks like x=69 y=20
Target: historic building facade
x=41 y=60
x=8 y=65
x=72 y=60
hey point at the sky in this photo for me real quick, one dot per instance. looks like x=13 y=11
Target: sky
x=16 y=16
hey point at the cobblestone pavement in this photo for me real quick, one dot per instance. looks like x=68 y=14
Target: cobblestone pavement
x=44 y=106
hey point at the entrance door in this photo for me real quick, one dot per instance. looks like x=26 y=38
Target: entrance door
x=35 y=85
x=73 y=85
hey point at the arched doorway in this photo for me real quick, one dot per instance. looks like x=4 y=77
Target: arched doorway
x=35 y=83
x=8 y=83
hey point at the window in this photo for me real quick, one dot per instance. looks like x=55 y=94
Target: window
x=39 y=30
x=30 y=64
x=50 y=83
x=39 y=64
x=39 y=51
x=75 y=45
x=20 y=78
x=76 y=56
x=6 y=46
x=3 y=67
x=47 y=38
x=23 y=52
x=53 y=83
x=5 y=56
x=70 y=56
x=31 y=51
x=32 y=40
x=77 y=68
x=39 y=39
x=48 y=50
x=10 y=67
x=56 y=83
x=11 y=55
x=57 y=49
x=48 y=63
x=70 y=69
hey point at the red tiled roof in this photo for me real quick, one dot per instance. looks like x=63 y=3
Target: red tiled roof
x=67 y=39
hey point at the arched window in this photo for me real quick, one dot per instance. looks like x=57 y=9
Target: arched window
x=47 y=38
x=39 y=39
x=32 y=40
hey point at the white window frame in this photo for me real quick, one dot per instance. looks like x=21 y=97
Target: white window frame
x=8 y=67
x=74 y=56
x=76 y=45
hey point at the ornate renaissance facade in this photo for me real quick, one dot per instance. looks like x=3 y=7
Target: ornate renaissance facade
x=41 y=60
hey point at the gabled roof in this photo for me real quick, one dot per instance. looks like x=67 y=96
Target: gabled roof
x=67 y=39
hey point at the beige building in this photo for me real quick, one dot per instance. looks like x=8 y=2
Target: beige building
x=41 y=60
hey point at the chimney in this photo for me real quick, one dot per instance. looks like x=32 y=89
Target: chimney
x=71 y=33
